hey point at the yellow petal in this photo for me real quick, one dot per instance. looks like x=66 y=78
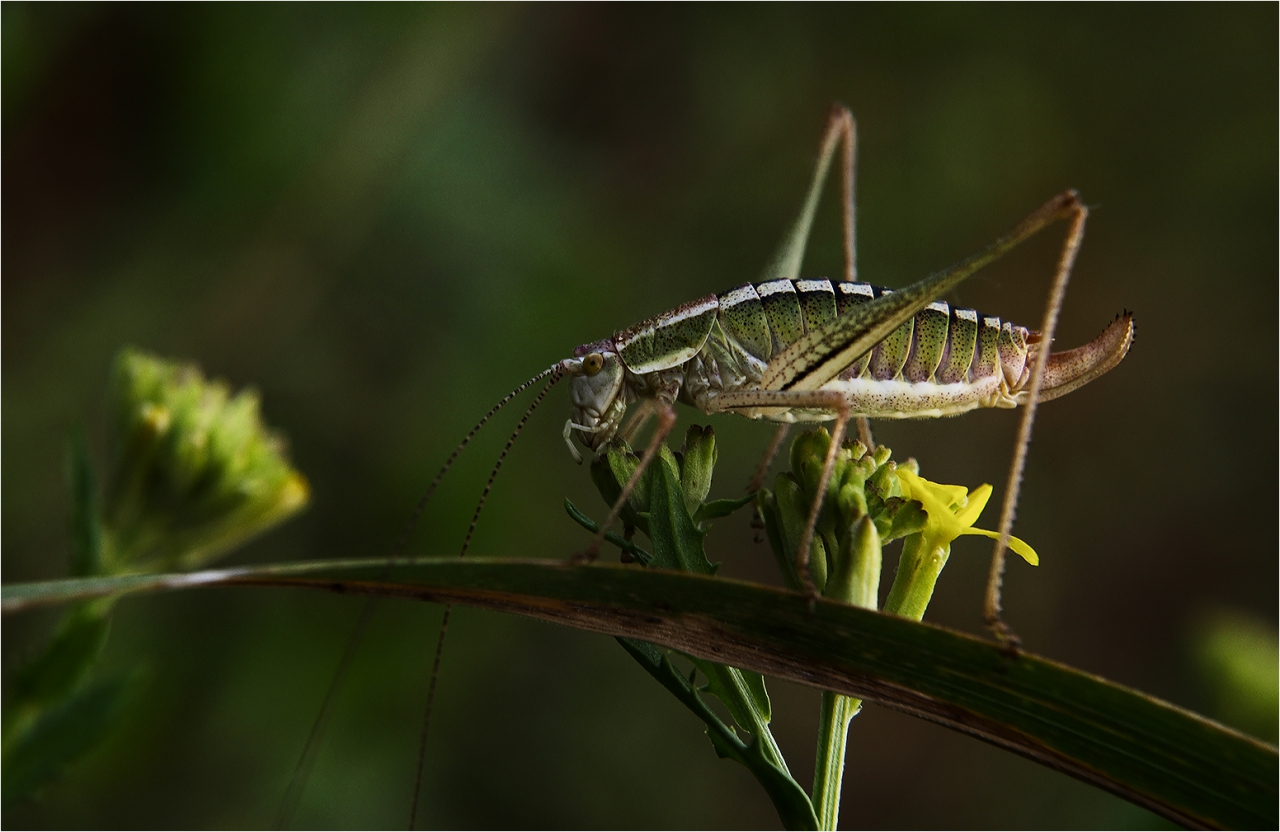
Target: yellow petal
x=968 y=515
x=933 y=497
x=952 y=495
x=1018 y=545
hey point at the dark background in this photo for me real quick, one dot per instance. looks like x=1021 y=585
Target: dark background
x=385 y=217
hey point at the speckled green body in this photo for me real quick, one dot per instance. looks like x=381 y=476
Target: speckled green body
x=942 y=361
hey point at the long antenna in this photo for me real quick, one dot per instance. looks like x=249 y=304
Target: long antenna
x=306 y=762
x=403 y=542
x=556 y=374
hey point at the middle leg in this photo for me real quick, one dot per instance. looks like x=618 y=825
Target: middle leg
x=830 y=401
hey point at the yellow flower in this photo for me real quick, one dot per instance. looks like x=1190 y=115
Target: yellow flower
x=953 y=511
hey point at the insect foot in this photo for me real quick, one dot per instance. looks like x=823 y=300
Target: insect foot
x=870 y=500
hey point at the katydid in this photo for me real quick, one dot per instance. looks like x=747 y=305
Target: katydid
x=787 y=349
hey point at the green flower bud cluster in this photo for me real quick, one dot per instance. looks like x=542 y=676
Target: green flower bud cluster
x=863 y=508
x=195 y=471
x=870 y=500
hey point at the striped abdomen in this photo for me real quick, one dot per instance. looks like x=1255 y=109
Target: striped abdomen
x=944 y=360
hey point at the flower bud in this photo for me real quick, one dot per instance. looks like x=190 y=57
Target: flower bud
x=855 y=575
x=698 y=463
x=196 y=472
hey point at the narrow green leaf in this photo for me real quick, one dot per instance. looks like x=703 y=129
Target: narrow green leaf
x=717 y=509
x=1180 y=765
x=628 y=547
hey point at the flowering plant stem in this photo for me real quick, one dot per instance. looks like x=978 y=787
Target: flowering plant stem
x=828 y=769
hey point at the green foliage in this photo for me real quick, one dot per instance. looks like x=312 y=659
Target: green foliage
x=65 y=664
x=86 y=525
x=55 y=737
x=194 y=473
x=757 y=752
x=864 y=485
x=668 y=505
x=1237 y=655
x=869 y=500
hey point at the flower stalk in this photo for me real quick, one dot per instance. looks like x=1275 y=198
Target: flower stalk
x=870 y=500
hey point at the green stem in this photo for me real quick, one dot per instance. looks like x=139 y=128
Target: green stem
x=761 y=756
x=918 y=571
x=828 y=767
x=855 y=579
x=733 y=680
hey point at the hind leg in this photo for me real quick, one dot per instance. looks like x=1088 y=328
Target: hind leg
x=995 y=577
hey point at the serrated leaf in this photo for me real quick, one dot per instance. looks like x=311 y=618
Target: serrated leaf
x=792 y=803
x=610 y=472
x=721 y=746
x=677 y=541
x=747 y=701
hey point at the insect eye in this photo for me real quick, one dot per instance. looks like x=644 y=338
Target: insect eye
x=592 y=363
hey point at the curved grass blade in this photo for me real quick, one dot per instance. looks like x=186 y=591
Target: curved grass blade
x=1173 y=762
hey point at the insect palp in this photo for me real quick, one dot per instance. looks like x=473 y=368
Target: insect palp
x=567 y=433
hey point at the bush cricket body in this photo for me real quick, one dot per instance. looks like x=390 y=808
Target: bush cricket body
x=787 y=349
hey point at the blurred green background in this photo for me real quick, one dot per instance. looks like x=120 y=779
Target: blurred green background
x=386 y=216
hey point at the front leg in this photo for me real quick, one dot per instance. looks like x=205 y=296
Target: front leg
x=667 y=386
